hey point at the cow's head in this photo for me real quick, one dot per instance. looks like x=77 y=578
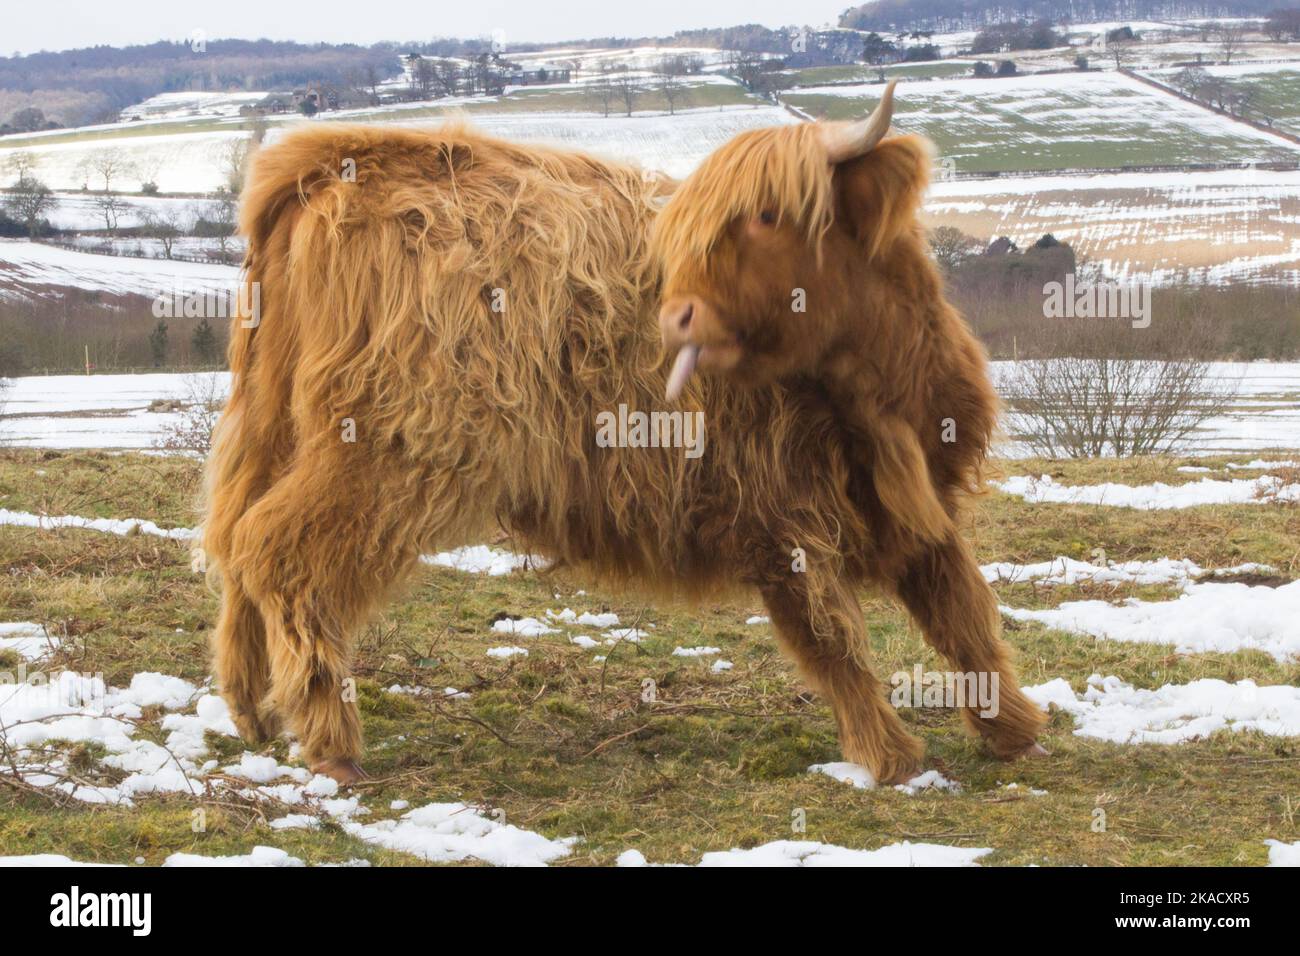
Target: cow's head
x=768 y=249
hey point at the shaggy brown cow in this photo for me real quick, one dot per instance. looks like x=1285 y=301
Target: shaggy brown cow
x=441 y=326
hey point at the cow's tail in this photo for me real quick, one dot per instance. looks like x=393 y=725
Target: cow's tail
x=253 y=441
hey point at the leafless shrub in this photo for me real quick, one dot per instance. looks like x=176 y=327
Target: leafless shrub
x=951 y=247
x=1093 y=387
x=235 y=156
x=200 y=403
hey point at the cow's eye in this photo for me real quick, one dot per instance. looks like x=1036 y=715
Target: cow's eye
x=767 y=217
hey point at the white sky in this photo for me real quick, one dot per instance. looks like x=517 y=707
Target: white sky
x=28 y=25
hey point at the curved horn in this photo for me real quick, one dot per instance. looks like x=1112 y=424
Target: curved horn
x=849 y=140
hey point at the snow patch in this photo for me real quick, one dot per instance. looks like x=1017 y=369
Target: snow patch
x=119 y=526
x=452 y=832
x=810 y=853
x=261 y=856
x=1112 y=710
x=1063 y=570
x=523 y=627
x=1279 y=853
x=481 y=559
x=1157 y=496
x=862 y=778
x=29 y=641
x=1206 y=617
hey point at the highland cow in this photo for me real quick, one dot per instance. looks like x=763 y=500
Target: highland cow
x=442 y=327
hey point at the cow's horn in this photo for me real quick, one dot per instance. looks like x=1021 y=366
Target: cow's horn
x=845 y=141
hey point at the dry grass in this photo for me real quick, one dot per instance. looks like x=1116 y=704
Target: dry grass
x=564 y=744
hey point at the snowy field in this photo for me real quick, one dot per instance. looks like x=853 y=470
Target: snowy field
x=671 y=144
x=1055 y=121
x=93 y=411
x=166 y=106
x=198 y=161
x=1215 y=227
x=110 y=411
x=177 y=162
x=78 y=210
x=28 y=268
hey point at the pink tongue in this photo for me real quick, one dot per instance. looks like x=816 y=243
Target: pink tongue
x=683 y=366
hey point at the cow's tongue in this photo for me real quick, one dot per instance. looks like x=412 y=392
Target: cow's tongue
x=683 y=366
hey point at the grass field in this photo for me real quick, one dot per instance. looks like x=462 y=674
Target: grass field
x=1057 y=121
x=1275 y=90
x=564 y=744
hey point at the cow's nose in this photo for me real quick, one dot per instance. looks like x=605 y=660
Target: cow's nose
x=676 y=319
x=684 y=318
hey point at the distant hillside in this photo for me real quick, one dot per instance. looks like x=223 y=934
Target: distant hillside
x=75 y=87
x=972 y=14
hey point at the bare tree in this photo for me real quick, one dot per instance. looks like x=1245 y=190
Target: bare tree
x=759 y=74
x=21 y=163
x=1239 y=99
x=668 y=80
x=1191 y=80
x=951 y=247
x=422 y=76
x=29 y=201
x=1121 y=50
x=166 y=224
x=877 y=52
x=223 y=213
x=1216 y=91
x=370 y=79
x=603 y=88
x=625 y=88
x=747 y=68
x=445 y=77
x=107 y=166
x=235 y=155
x=111 y=206
x=1230 y=37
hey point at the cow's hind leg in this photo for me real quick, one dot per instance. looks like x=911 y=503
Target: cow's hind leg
x=946 y=593
x=241 y=664
x=320 y=550
x=828 y=640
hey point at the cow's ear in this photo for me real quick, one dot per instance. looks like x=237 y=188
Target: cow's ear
x=879 y=193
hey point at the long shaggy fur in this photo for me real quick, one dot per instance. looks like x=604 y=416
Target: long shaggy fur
x=465 y=309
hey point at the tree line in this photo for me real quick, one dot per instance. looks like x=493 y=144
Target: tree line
x=953 y=15
x=75 y=87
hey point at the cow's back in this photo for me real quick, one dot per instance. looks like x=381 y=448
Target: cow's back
x=474 y=302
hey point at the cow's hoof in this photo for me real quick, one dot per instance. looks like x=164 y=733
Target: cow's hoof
x=341 y=770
